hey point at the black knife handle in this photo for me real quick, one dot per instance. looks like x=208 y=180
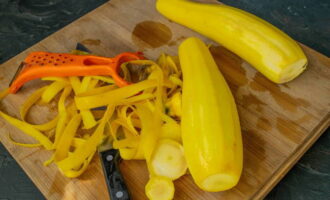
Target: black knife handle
x=116 y=185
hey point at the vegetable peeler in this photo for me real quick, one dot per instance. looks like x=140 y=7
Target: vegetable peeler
x=44 y=64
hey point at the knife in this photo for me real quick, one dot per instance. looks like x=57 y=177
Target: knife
x=110 y=159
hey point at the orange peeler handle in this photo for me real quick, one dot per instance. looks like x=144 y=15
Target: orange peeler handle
x=45 y=64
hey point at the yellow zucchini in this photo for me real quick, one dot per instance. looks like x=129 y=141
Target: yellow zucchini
x=211 y=133
x=168 y=159
x=159 y=188
x=264 y=46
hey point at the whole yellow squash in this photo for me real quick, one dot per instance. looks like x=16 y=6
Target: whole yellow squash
x=211 y=132
x=264 y=46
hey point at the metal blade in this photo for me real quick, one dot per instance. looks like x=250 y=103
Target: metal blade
x=106 y=144
x=19 y=69
x=81 y=47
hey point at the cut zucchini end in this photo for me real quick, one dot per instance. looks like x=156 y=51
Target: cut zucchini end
x=168 y=159
x=160 y=188
x=219 y=182
x=292 y=71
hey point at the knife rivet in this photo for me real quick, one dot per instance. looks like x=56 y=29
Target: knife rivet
x=119 y=194
x=109 y=158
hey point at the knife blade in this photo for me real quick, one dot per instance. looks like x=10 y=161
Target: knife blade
x=110 y=159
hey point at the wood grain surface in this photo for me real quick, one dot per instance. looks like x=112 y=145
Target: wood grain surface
x=279 y=122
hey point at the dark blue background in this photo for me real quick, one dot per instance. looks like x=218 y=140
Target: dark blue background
x=25 y=22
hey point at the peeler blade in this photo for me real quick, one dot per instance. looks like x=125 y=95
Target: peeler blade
x=18 y=71
x=81 y=47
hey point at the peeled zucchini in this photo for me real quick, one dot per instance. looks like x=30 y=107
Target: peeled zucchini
x=159 y=188
x=168 y=159
x=211 y=134
x=264 y=46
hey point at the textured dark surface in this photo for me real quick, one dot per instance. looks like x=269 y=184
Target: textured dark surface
x=14 y=184
x=25 y=22
x=309 y=179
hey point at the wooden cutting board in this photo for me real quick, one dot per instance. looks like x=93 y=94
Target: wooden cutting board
x=279 y=122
